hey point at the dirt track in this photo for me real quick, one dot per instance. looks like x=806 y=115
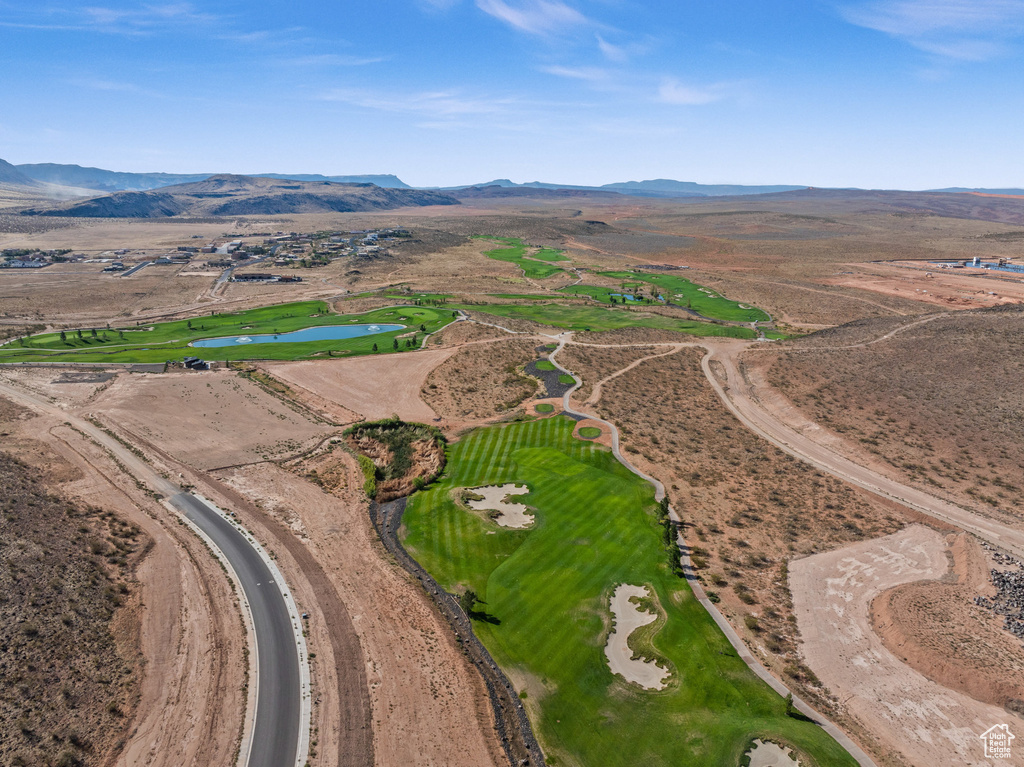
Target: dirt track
x=764 y=412
x=928 y=724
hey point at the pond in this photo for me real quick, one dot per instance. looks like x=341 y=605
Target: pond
x=320 y=333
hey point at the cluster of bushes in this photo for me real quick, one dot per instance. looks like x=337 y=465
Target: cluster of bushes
x=398 y=437
x=671 y=535
x=369 y=476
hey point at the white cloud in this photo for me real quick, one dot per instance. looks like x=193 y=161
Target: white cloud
x=672 y=91
x=589 y=74
x=970 y=30
x=333 y=59
x=435 y=104
x=611 y=52
x=538 y=17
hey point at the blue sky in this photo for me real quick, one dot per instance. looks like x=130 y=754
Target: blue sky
x=873 y=93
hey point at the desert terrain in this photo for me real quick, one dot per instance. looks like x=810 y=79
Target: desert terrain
x=910 y=374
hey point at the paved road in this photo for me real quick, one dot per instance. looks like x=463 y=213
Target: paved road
x=278 y=695
x=276 y=730
x=136 y=268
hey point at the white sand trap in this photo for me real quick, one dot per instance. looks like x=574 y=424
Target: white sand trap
x=771 y=755
x=628 y=618
x=510 y=514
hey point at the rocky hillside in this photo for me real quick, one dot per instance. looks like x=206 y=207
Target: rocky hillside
x=230 y=195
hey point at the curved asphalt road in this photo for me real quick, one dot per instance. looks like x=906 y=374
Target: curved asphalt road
x=275 y=732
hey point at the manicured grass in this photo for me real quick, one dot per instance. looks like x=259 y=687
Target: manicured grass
x=550 y=254
x=589 y=432
x=563 y=378
x=545 y=365
x=609 y=295
x=547 y=589
x=597 y=318
x=681 y=291
x=545 y=407
x=169 y=340
x=515 y=252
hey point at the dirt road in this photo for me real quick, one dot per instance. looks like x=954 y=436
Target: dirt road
x=750 y=403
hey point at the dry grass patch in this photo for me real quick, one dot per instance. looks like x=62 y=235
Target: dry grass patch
x=940 y=403
x=481 y=381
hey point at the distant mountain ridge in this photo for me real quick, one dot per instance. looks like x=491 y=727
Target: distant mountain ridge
x=10 y=175
x=233 y=195
x=118 y=181
x=659 y=187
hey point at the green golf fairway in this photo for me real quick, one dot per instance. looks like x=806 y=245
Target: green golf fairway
x=597 y=318
x=546 y=589
x=159 y=342
x=679 y=290
x=515 y=253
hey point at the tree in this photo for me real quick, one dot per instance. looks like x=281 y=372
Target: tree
x=467 y=600
x=94 y=332
x=190 y=324
x=375 y=347
x=423 y=328
x=394 y=343
x=63 y=337
x=790 y=710
x=79 y=331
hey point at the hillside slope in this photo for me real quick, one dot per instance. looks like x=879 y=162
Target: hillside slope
x=230 y=195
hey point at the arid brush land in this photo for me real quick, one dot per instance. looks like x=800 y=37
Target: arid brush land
x=844 y=479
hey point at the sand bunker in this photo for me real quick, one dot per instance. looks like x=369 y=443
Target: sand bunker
x=771 y=755
x=628 y=618
x=494 y=499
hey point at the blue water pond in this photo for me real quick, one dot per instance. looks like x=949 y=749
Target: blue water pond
x=320 y=333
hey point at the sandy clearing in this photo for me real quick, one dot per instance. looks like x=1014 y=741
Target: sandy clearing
x=514 y=515
x=628 y=617
x=768 y=754
x=926 y=723
x=372 y=386
x=208 y=420
x=429 y=706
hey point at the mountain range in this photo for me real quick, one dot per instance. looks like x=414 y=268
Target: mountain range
x=232 y=195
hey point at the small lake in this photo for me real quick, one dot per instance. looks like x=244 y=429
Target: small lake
x=320 y=333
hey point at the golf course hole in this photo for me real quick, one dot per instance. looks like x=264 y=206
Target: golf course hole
x=628 y=618
x=589 y=432
x=768 y=754
x=544 y=407
x=495 y=498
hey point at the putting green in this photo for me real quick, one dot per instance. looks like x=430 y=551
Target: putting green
x=546 y=593
x=515 y=253
x=589 y=432
x=544 y=407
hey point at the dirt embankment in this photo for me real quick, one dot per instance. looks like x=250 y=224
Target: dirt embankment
x=936 y=628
